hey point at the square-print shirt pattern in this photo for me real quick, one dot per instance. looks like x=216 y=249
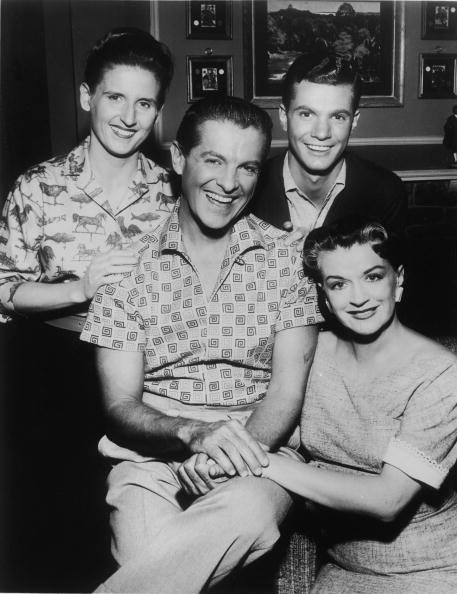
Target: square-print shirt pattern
x=199 y=350
x=57 y=218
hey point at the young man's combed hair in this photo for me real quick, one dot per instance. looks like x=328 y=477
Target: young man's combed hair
x=325 y=69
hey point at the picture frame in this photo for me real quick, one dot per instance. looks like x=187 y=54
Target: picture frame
x=273 y=38
x=207 y=75
x=437 y=76
x=209 y=20
x=439 y=20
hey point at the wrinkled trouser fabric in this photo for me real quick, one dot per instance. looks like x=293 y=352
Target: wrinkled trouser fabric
x=165 y=544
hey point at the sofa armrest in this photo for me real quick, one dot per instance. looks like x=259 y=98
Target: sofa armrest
x=298 y=567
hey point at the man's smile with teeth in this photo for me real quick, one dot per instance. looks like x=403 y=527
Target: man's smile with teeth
x=318 y=147
x=219 y=198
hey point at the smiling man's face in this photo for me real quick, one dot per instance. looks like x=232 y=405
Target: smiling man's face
x=318 y=123
x=219 y=174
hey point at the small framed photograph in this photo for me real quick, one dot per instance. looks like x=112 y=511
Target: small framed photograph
x=209 y=20
x=439 y=20
x=207 y=75
x=437 y=76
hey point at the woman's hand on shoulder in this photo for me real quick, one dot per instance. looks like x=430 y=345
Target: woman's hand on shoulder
x=105 y=268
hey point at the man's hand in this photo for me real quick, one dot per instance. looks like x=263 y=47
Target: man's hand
x=229 y=444
x=194 y=475
x=296 y=235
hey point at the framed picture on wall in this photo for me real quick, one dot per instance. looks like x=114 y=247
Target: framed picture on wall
x=437 y=76
x=207 y=75
x=209 y=20
x=439 y=20
x=369 y=34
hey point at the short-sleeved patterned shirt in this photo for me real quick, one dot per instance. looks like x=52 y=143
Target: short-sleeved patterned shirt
x=57 y=218
x=199 y=350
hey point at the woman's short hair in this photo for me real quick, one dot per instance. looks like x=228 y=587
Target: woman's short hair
x=129 y=47
x=321 y=69
x=222 y=108
x=345 y=233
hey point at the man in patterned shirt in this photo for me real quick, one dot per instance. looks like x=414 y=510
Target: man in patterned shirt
x=205 y=351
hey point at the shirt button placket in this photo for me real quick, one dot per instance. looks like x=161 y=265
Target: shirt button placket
x=204 y=343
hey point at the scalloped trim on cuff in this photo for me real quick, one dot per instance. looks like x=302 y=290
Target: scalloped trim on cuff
x=414 y=463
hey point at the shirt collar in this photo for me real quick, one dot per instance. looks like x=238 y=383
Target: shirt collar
x=245 y=235
x=78 y=168
x=171 y=237
x=77 y=164
x=290 y=185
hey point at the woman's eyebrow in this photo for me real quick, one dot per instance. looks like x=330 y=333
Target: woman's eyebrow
x=367 y=271
x=373 y=268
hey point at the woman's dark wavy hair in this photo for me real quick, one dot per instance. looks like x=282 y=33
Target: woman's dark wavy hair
x=221 y=108
x=129 y=47
x=345 y=233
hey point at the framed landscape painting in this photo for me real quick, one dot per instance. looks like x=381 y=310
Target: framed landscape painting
x=370 y=34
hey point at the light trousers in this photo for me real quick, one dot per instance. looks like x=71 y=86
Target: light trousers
x=167 y=544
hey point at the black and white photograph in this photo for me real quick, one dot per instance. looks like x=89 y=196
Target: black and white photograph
x=209 y=79
x=228 y=297
x=438 y=76
x=209 y=20
x=207 y=15
x=439 y=20
x=207 y=75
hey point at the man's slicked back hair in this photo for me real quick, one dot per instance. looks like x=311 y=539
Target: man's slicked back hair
x=326 y=69
x=220 y=108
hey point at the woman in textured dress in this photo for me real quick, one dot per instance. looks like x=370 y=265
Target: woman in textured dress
x=67 y=228
x=379 y=427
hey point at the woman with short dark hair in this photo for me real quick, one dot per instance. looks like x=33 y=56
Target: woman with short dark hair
x=71 y=218
x=67 y=228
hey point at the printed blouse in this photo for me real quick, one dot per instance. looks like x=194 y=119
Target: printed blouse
x=57 y=218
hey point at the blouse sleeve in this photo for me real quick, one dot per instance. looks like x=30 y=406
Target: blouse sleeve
x=425 y=446
x=21 y=230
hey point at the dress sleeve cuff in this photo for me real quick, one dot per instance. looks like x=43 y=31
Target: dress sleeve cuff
x=414 y=463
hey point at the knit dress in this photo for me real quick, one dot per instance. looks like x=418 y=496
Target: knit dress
x=407 y=418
